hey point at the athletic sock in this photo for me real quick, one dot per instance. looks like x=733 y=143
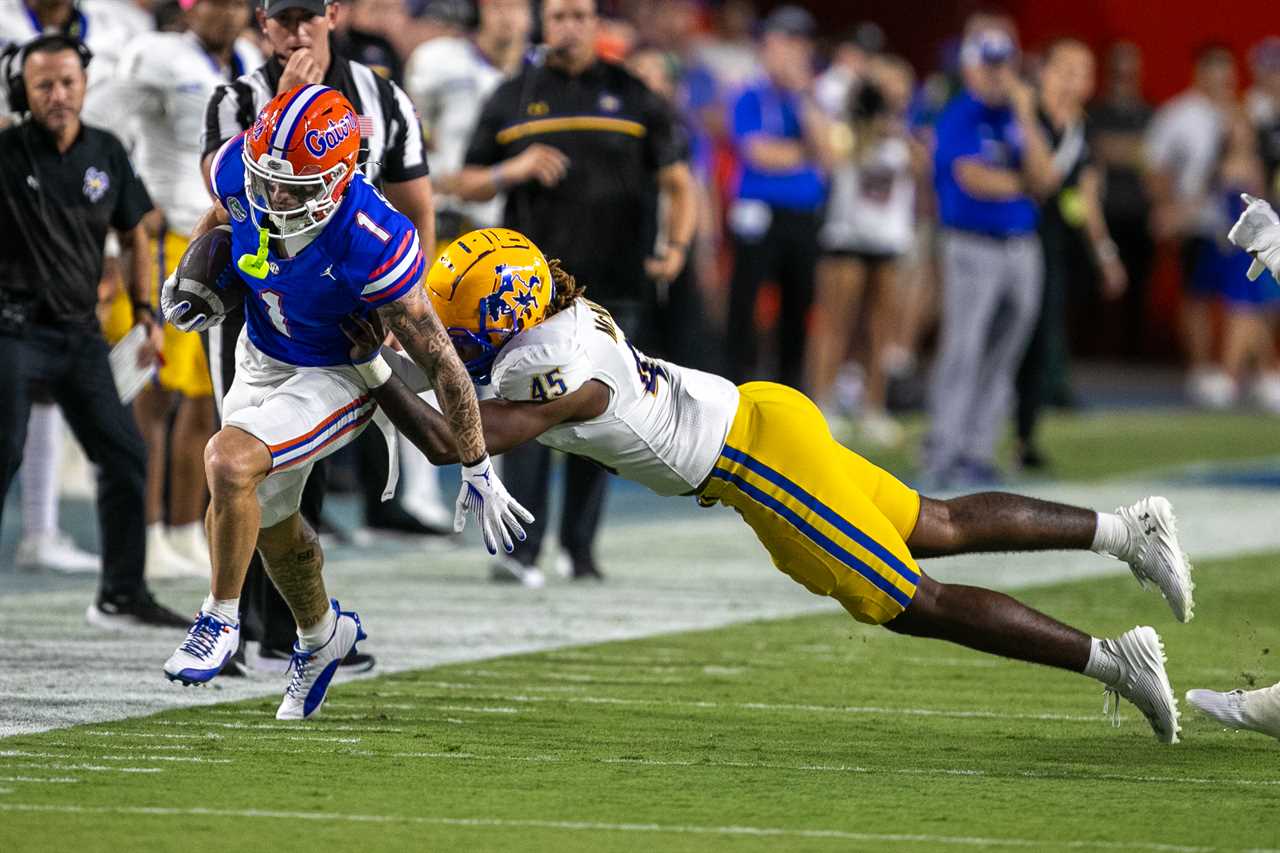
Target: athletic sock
x=318 y=634
x=1102 y=664
x=226 y=609
x=40 y=460
x=1111 y=536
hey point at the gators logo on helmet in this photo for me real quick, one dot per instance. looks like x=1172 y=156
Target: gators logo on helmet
x=487 y=286
x=299 y=157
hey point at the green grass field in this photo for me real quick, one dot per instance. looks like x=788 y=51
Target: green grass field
x=813 y=733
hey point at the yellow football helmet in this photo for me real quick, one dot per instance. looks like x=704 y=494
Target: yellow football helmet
x=487 y=286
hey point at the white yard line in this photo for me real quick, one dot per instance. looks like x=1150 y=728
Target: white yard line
x=637 y=828
x=666 y=576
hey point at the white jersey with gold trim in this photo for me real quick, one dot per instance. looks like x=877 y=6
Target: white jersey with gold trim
x=106 y=26
x=449 y=80
x=158 y=97
x=665 y=424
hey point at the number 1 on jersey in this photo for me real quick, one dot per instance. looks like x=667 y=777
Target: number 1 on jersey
x=372 y=227
x=275 y=311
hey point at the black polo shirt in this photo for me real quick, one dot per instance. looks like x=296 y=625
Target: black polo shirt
x=617 y=135
x=55 y=209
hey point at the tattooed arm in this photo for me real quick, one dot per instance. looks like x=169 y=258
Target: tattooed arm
x=420 y=332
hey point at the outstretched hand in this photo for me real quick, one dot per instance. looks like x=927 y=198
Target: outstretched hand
x=366 y=335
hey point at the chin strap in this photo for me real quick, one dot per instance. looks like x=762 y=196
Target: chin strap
x=256 y=265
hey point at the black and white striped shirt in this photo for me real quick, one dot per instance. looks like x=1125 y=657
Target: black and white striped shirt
x=391 y=143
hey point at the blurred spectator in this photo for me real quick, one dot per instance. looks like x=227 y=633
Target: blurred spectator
x=1117 y=123
x=847 y=68
x=1262 y=103
x=158 y=97
x=106 y=26
x=1070 y=217
x=991 y=159
x=361 y=35
x=868 y=227
x=731 y=52
x=449 y=79
x=783 y=142
x=1249 y=330
x=50 y=267
x=1184 y=142
x=580 y=146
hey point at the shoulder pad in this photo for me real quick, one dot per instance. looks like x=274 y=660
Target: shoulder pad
x=540 y=367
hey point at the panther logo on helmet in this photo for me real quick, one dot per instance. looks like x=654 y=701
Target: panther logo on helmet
x=299 y=158
x=488 y=286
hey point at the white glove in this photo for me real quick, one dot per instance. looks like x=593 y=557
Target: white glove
x=498 y=512
x=1257 y=231
x=180 y=313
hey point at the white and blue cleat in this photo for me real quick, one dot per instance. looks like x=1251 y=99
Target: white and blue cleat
x=310 y=671
x=209 y=644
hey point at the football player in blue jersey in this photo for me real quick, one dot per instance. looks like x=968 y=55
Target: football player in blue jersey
x=314 y=242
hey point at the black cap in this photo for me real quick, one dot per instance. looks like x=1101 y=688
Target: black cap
x=791 y=20
x=275 y=7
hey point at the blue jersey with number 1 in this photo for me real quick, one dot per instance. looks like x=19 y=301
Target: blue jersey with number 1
x=366 y=255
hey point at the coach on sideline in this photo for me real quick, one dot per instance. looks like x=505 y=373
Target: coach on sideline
x=62 y=185
x=581 y=147
x=393 y=157
x=990 y=163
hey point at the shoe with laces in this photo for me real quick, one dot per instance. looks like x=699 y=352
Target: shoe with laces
x=1156 y=556
x=136 y=611
x=1143 y=681
x=311 y=670
x=1251 y=710
x=55 y=552
x=209 y=643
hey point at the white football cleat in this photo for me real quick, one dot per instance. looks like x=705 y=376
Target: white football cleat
x=209 y=643
x=311 y=671
x=1251 y=710
x=56 y=552
x=1156 y=555
x=1143 y=681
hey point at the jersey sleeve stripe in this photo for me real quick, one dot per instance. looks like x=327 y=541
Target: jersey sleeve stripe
x=404 y=244
x=292 y=112
x=400 y=287
x=217 y=164
x=405 y=262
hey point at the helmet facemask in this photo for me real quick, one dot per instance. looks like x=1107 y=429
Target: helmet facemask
x=287 y=205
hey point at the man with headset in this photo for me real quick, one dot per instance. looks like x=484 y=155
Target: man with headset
x=62 y=185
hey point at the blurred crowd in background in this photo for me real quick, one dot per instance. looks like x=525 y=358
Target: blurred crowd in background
x=885 y=237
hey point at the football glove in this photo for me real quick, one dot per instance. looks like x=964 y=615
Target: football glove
x=190 y=306
x=1257 y=231
x=498 y=513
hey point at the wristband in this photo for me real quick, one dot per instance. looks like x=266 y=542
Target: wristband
x=144 y=306
x=374 y=372
x=470 y=467
x=1106 y=251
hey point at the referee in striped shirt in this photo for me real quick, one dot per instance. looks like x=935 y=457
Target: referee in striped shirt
x=393 y=157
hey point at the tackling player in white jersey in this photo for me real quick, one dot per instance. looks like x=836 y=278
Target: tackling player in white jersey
x=162 y=83
x=1257 y=231
x=566 y=375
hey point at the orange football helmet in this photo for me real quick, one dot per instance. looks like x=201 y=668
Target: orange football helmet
x=486 y=287
x=299 y=157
